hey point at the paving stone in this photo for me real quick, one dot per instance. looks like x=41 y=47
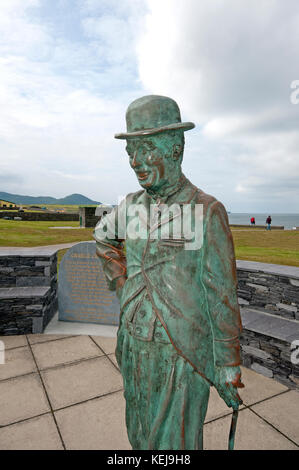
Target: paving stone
x=216 y=407
x=21 y=398
x=14 y=341
x=75 y=383
x=43 y=338
x=17 y=362
x=286 y=414
x=257 y=387
x=108 y=345
x=66 y=350
x=252 y=434
x=34 y=434
x=113 y=359
x=101 y=423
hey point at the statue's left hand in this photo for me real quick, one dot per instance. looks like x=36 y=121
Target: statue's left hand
x=227 y=381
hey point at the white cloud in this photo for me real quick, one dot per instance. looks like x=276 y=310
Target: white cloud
x=229 y=65
x=61 y=101
x=68 y=71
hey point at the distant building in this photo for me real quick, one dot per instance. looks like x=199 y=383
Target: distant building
x=7 y=204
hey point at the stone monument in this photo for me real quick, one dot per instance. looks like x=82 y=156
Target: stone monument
x=180 y=321
x=83 y=295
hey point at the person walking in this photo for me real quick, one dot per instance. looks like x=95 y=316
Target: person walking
x=268 y=222
x=252 y=221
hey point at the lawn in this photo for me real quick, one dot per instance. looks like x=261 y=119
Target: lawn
x=32 y=233
x=276 y=246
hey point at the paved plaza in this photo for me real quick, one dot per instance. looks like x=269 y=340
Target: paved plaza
x=66 y=392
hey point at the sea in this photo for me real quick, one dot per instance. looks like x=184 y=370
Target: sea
x=287 y=220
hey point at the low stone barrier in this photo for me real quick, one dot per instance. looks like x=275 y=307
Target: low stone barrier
x=269 y=296
x=42 y=216
x=268 y=345
x=272 y=287
x=87 y=217
x=28 y=289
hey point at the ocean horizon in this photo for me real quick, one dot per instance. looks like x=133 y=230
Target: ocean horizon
x=242 y=218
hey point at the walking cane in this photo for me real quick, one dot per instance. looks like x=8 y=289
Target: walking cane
x=232 y=432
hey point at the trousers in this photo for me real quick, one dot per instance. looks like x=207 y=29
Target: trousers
x=166 y=400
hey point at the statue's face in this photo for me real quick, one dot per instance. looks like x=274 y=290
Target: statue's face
x=152 y=159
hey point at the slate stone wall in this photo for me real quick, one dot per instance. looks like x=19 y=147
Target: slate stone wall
x=42 y=216
x=87 y=216
x=27 y=310
x=277 y=294
x=30 y=313
x=270 y=357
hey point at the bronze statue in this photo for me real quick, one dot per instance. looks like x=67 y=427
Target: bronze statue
x=180 y=322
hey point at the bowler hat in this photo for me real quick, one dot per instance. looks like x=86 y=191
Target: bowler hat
x=153 y=114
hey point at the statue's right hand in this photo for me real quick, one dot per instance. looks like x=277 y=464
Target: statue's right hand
x=119 y=285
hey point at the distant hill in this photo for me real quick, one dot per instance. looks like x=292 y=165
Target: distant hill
x=72 y=199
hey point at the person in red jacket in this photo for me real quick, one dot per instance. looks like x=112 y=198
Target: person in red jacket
x=268 y=222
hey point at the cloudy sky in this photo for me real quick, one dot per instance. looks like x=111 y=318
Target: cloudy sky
x=69 y=69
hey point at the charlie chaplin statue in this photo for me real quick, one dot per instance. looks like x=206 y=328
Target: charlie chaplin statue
x=180 y=321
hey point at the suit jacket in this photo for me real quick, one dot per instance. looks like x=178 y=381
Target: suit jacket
x=193 y=292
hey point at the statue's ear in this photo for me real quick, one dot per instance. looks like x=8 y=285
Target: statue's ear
x=176 y=151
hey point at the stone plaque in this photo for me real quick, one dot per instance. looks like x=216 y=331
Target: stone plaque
x=83 y=294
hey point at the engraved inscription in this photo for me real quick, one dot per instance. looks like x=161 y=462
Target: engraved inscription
x=83 y=294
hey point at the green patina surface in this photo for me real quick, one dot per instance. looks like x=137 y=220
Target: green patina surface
x=180 y=322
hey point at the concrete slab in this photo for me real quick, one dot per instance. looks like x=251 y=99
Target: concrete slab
x=283 y=413
x=257 y=387
x=108 y=345
x=82 y=381
x=54 y=353
x=290 y=271
x=15 y=341
x=17 y=362
x=270 y=325
x=56 y=326
x=98 y=424
x=252 y=434
x=34 y=434
x=22 y=398
x=23 y=292
x=43 y=338
x=217 y=407
x=113 y=359
x=47 y=250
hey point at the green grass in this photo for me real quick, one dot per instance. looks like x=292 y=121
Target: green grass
x=277 y=246
x=33 y=233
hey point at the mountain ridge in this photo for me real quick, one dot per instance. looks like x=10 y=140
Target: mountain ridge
x=72 y=199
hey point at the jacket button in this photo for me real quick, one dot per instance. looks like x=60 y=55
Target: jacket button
x=138 y=329
x=158 y=334
x=142 y=313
